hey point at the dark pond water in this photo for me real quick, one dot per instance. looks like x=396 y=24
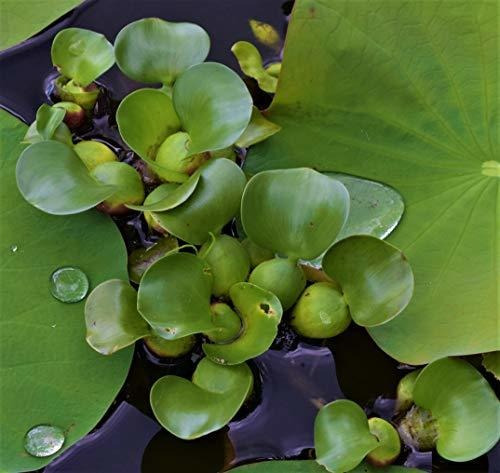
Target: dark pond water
x=294 y=378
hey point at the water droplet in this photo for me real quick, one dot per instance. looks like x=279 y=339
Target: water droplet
x=13 y=248
x=44 y=440
x=69 y=284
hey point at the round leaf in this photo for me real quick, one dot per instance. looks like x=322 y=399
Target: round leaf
x=295 y=212
x=111 y=317
x=464 y=405
x=154 y=50
x=375 y=277
x=174 y=296
x=212 y=205
x=45 y=361
x=82 y=55
x=213 y=104
x=145 y=118
x=342 y=437
x=51 y=177
x=192 y=409
x=260 y=312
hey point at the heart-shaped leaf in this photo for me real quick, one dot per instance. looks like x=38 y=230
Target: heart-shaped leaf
x=192 y=409
x=213 y=104
x=174 y=296
x=463 y=404
x=173 y=199
x=342 y=437
x=51 y=177
x=47 y=120
x=45 y=361
x=145 y=118
x=405 y=93
x=111 y=317
x=154 y=50
x=375 y=277
x=212 y=205
x=82 y=55
x=250 y=62
x=259 y=129
x=260 y=312
x=295 y=212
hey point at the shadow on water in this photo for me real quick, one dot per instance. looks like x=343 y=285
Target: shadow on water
x=295 y=378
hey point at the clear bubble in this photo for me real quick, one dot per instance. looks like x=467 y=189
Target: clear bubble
x=44 y=440
x=13 y=248
x=69 y=284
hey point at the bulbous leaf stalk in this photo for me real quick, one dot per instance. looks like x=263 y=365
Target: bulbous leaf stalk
x=419 y=429
x=389 y=446
x=170 y=348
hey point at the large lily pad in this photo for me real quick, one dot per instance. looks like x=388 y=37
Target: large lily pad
x=405 y=93
x=46 y=366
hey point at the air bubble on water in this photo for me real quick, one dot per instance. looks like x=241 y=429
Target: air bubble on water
x=69 y=284
x=13 y=248
x=44 y=440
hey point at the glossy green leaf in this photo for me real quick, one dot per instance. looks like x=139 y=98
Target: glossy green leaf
x=173 y=199
x=82 y=55
x=213 y=104
x=342 y=437
x=52 y=178
x=212 y=205
x=465 y=407
x=45 y=361
x=375 y=209
x=375 y=277
x=389 y=446
x=111 y=317
x=260 y=313
x=295 y=212
x=192 y=409
x=61 y=134
x=227 y=324
x=405 y=93
x=142 y=258
x=311 y=466
x=154 y=50
x=145 y=118
x=250 y=62
x=491 y=362
x=259 y=129
x=174 y=296
x=228 y=260
x=48 y=120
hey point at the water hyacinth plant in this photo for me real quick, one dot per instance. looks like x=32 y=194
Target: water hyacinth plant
x=231 y=252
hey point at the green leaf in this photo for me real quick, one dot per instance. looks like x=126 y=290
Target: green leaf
x=342 y=437
x=375 y=209
x=111 y=317
x=82 y=55
x=266 y=34
x=45 y=361
x=23 y=18
x=228 y=260
x=174 y=296
x=295 y=212
x=213 y=104
x=260 y=312
x=250 y=62
x=48 y=120
x=92 y=153
x=52 y=178
x=464 y=405
x=154 y=50
x=190 y=410
x=145 y=118
x=142 y=258
x=375 y=277
x=61 y=134
x=405 y=93
x=212 y=205
x=259 y=129
x=173 y=199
